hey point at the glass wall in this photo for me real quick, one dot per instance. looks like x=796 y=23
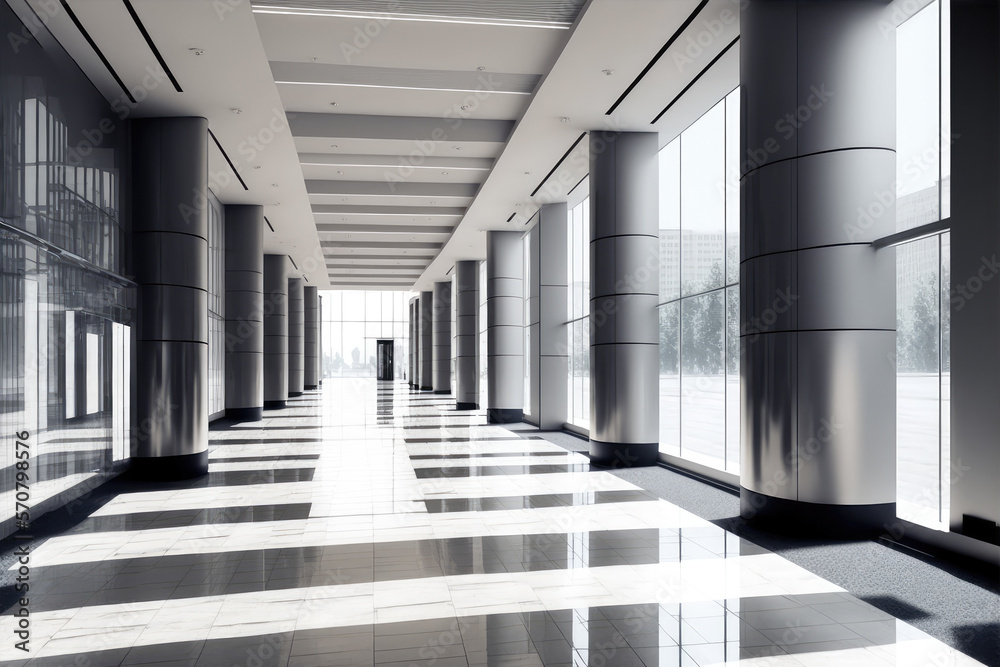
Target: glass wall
x=353 y=322
x=578 y=280
x=923 y=116
x=923 y=326
x=65 y=314
x=484 y=385
x=526 y=308
x=699 y=292
x=216 y=308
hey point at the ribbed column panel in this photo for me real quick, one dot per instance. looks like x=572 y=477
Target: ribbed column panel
x=244 y=312
x=817 y=300
x=275 y=331
x=296 y=337
x=312 y=337
x=425 y=331
x=467 y=335
x=504 y=326
x=169 y=180
x=442 y=338
x=624 y=289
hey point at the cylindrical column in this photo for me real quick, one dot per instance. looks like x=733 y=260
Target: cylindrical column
x=504 y=327
x=411 y=344
x=170 y=260
x=296 y=337
x=244 y=312
x=311 y=335
x=624 y=292
x=275 y=331
x=426 y=334
x=553 y=304
x=467 y=335
x=442 y=338
x=817 y=301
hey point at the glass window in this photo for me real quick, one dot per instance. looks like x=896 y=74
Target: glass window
x=923 y=381
x=349 y=339
x=703 y=202
x=699 y=290
x=578 y=244
x=923 y=118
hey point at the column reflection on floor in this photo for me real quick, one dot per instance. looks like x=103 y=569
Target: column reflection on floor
x=369 y=523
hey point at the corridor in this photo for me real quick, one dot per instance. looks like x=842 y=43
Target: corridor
x=370 y=524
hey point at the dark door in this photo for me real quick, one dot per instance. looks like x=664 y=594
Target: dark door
x=385 y=369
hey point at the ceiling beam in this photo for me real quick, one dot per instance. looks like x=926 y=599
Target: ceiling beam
x=405 y=128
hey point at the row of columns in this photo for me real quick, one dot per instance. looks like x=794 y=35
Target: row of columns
x=272 y=319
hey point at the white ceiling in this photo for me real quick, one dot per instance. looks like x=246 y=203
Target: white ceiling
x=370 y=171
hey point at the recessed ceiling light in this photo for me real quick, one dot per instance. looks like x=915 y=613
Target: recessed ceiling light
x=334 y=104
x=274 y=185
x=444 y=173
x=608 y=72
x=464 y=107
x=564 y=119
x=374 y=85
x=333 y=145
x=256 y=166
x=393 y=16
x=277 y=203
x=516 y=205
x=236 y=110
x=481 y=68
x=527 y=173
x=457 y=148
x=340 y=173
x=198 y=52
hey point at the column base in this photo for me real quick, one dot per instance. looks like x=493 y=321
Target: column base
x=504 y=415
x=623 y=455
x=466 y=406
x=245 y=414
x=442 y=391
x=293 y=394
x=169 y=468
x=802 y=519
x=275 y=405
x=310 y=387
x=428 y=388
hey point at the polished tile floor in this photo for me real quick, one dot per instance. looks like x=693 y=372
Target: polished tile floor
x=369 y=524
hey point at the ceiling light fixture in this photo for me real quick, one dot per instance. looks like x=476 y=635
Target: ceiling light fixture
x=373 y=85
x=382 y=166
x=334 y=104
x=564 y=119
x=481 y=68
x=198 y=52
x=256 y=166
x=236 y=110
x=274 y=185
x=608 y=72
x=444 y=173
x=422 y=18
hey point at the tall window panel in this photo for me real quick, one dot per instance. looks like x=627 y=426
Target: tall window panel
x=923 y=326
x=526 y=312
x=923 y=117
x=484 y=385
x=699 y=293
x=578 y=280
x=354 y=322
x=216 y=308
